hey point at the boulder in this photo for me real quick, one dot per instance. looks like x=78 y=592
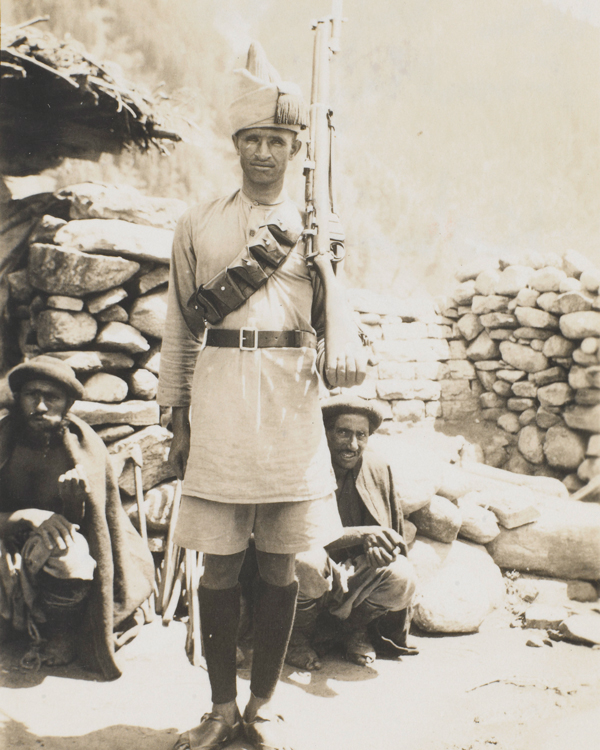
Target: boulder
x=113 y=314
x=523 y=357
x=502 y=388
x=582 y=591
x=485 y=282
x=68 y=272
x=564 y=542
x=582 y=629
x=555 y=394
x=136 y=413
x=100 y=302
x=116 y=237
x=520 y=404
x=530 y=444
x=122 y=337
x=59 y=302
x=548 y=302
x=511 y=376
x=143 y=384
x=155 y=278
x=575 y=263
x=527 y=417
x=148 y=314
x=59 y=328
x=151 y=360
x=470 y=326
x=551 y=375
x=533 y=318
x=481 y=305
x=570 y=285
x=532 y=334
x=547 y=279
x=94 y=200
x=458 y=586
x=578 y=378
x=482 y=348
x=583 y=417
x=89 y=361
x=464 y=293
x=579 y=325
x=512 y=280
x=564 y=448
x=509 y=422
x=524 y=389
x=572 y=302
x=154 y=442
x=108 y=389
x=499 y=320
x=478 y=524
x=440 y=520
x=114 y=432
x=526 y=298
x=590 y=280
x=158 y=503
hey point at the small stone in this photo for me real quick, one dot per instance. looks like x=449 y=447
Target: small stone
x=533 y=318
x=535 y=641
x=482 y=348
x=59 y=302
x=491 y=400
x=519 y=404
x=522 y=357
x=583 y=418
x=502 y=388
x=122 y=337
x=547 y=279
x=524 y=389
x=143 y=384
x=582 y=591
x=527 y=297
x=148 y=314
x=581 y=358
x=593 y=446
x=509 y=422
x=499 y=320
x=555 y=394
x=590 y=280
x=530 y=444
x=570 y=285
x=478 y=524
x=481 y=305
x=544 y=617
x=587 y=396
x=527 y=417
x=59 y=328
x=493 y=413
x=593 y=376
x=589 y=469
x=160 y=276
x=114 y=432
x=518 y=464
x=548 y=302
x=572 y=302
x=408 y=411
x=573 y=483
x=579 y=325
x=575 y=263
x=512 y=280
x=100 y=302
x=537 y=345
x=151 y=360
x=136 y=413
x=545 y=418
x=578 y=378
x=511 y=376
x=486 y=281
x=106 y=388
x=465 y=292
x=489 y=365
x=487 y=379
x=582 y=628
x=113 y=314
x=470 y=326
x=589 y=345
x=440 y=520
x=558 y=346
x=46 y=228
x=500 y=334
x=530 y=334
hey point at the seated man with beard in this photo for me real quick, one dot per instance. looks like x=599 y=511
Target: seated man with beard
x=360 y=587
x=72 y=567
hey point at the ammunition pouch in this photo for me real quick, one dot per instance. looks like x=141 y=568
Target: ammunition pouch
x=236 y=283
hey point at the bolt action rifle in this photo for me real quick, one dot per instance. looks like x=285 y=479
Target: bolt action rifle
x=323 y=233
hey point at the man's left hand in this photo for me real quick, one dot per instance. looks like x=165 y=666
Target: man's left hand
x=72 y=485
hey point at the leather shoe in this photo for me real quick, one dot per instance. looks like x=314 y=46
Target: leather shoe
x=212 y=733
x=267 y=731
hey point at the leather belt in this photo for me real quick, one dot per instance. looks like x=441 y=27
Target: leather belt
x=249 y=339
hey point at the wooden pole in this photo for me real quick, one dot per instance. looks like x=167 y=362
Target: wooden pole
x=168 y=569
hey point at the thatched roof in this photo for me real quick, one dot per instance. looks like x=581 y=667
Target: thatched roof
x=57 y=102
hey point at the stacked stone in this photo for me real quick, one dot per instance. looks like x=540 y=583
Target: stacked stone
x=421 y=372
x=94 y=295
x=532 y=331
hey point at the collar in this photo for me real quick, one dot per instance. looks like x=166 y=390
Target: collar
x=281 y=198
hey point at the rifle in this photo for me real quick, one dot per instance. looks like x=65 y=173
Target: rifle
x=345 y=363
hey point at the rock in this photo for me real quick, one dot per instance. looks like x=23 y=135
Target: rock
x=486 y=281
x=489 y=365
x=100 y=302
x=532 y=334
x=158 y=503
x=588 y=396
x=575 y=263
x=425 y=390
x=564 y=542
x=458 y=586
x=471 y=269
x=545 y=617
x=558 y=346
x=151 y=360
x=108 y=389
x=582 y=591
x=520 y=404
x=509 y=422
x=59 y=328
x=464 y=293
x=590 y=280
x=573 y=483
x=572 y=302
x=583 y=417
x=67 y=272
x=160 y=276
x=582 y=628
x=593 y=446
x=502 y=388
x=404 y=331
x=500 y=334
x=527 y=417
x=459 y=369
x=470 y=326
x=548 y=302
x=481 y=305
x=478 y=524
x=564 y=448
x=59 y=302
x=408 y=411
x=46 y=228
x=499 y=320
x=512 y=280
x=547 y=279
x=518 y=464
x=578 y=378
x=589 y=469
x=136 y=413
x=536 y=641
x=143 y=384
x=429 y=350
x=113 y=236
x=114 y=432
x=113 y=314
x=511 y=376
x=522 y=357
x=526 y=589
x=551 y=375
x=579 y=325
x=491 y=400
x=457 y=350
x=530 y=444
x=570 y=285
x=589 y=345
x=555 y=394
x=122 y=337
x=20 y=288
x=534 y=318
x=93 y=200
x=526 y=298
x=453 y=390
x=483 y=348
x=524 y=389
x=148 y=314
x=154 y=442
x=81 y=362
x=536 y=344
x=581 y=358
x=593 y=376
x=440 y=520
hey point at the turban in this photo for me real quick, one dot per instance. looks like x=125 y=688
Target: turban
x=262 y=99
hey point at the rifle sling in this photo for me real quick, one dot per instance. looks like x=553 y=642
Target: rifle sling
x=231 y=287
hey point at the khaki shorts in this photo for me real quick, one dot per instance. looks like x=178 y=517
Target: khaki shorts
x=281 y=528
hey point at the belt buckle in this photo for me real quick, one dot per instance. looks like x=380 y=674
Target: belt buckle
x=248 y=347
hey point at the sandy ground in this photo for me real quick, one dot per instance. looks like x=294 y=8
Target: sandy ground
x=537 y=698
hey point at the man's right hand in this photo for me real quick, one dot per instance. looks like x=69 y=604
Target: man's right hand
x=180 y=446
x=381 y=545
x=54 y=529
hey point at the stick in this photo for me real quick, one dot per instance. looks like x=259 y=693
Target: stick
x=168 y=571
x=192 y=581
x=175 y=595
x=138 y=461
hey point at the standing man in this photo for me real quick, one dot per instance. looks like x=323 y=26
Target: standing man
x=242 y=347
x=363 y=579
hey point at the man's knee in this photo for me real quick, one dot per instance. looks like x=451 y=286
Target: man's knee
x=276 y=569
x=313 y=572
x=397 y=587
x=222 y=571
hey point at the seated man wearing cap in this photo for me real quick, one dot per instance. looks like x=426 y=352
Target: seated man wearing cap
x=363 y=579
x=71 y=564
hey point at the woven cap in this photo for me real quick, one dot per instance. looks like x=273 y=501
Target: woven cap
x=347 y=404
x=45 y=367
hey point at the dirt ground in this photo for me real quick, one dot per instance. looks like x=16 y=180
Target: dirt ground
x=485 y=691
